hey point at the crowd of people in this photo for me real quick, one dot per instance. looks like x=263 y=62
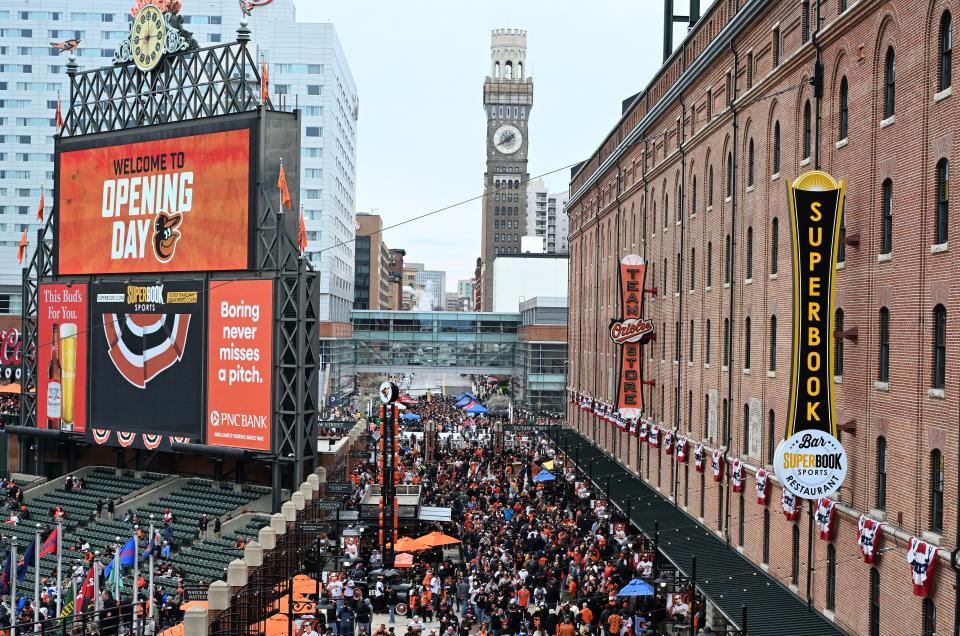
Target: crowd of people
x=537 y=557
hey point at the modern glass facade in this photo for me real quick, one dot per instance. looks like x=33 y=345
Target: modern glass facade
x=542 y=354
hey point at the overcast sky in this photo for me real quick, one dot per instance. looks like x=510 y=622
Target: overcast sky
x=419 y=68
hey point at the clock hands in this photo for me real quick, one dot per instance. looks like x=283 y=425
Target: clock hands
x=507 y=139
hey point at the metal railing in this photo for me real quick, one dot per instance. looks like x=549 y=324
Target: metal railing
x=127 y=620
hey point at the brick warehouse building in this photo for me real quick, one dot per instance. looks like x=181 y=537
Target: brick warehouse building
x=693 y=178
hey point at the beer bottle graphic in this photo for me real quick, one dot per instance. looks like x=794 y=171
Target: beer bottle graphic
x=54 y=387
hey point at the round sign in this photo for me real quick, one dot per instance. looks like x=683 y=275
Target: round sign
x=810 y=464
x=389 y=392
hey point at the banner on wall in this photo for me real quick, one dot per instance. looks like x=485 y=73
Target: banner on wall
x=162 y=205
x=811 y=462
x=62 y=357
x=630 y=331
x=240 y=355
x=147 y=357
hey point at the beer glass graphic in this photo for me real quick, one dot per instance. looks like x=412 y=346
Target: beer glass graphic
x=68 y=361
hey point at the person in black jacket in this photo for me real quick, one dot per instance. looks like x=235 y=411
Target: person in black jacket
x=110 y=616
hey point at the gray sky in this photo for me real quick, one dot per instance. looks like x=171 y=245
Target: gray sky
x=419 y=68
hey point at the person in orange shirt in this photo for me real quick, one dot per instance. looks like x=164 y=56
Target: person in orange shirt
x=586 y=615
x=523 y=597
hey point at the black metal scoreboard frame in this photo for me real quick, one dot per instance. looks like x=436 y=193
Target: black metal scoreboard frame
x=193 y=92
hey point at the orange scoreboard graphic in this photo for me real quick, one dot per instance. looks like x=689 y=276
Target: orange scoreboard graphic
x=239 y=363
x=168 y=205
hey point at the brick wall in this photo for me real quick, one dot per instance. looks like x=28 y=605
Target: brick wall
x=645 y=204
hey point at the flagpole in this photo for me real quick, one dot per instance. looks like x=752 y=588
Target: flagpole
x=96 y=581
x=36 y=579
x=152 y=542
x=117 y=573
x=73 y=587
x=13 y=586
x=60 y=569
x=136 y=579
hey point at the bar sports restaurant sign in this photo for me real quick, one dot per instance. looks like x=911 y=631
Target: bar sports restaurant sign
x=811 y=462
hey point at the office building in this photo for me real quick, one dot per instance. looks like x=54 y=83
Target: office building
x=546 y=217
x=539 y=380
x=465 y=287
x=434 y=284
x=372 y=282
x=395 y=271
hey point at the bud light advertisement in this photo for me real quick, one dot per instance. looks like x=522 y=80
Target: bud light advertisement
x=147 y=340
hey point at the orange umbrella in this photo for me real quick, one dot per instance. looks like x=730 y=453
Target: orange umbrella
x=176 y=630
x=406 y=544
x=276 y=625
x=403 y=560
x=436 y=539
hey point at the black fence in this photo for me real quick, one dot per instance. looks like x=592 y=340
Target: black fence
x=126 y=620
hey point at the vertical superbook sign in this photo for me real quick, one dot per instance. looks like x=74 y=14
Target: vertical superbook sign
x=240 y=359
x=62 y=360
x=167 y=205
x=630 y=331
x=810 y=462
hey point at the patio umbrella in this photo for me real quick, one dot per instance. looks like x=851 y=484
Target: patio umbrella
x=403 y=560
x=410 y=416
x=406 y=544
x=636 y=587
x=544 y=475
x=548 y=464
x=436 y=539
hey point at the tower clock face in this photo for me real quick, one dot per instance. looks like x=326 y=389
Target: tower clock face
x=148 y=35
x=507 y=139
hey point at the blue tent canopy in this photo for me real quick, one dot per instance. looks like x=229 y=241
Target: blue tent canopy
x=544 y=475
x=410 y=416
x=463 y=401
x=476 y=409
x=636 y=587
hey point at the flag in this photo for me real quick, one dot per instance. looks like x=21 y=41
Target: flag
x=21 y=604
x=22 y=247
x=59 y=114
x=50 y=545
x=67 y=607
x=110 y=573
x=40 y=207
x=264 y=82
x=85 y=593
x=27 y=561
x=5 y=576
x=302 y=232
x=284 y=191
x=127 y=555
x=154 y=540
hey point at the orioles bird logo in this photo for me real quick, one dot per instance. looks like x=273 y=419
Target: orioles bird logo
x=166 y=235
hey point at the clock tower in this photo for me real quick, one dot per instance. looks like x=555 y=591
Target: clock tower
x=507 y=100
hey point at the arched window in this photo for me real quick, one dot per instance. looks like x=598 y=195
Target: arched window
x=883 y=352
x=889 y=84
x=496 y=70
x=693 y=268
x=881 y=499
x=747 y=332
x=874 y=602
x=943 y=202
x=693 y=196
x=886 y=221
x=663 y=342
x=676 y=342
x=771 y=435
x=795 y=555
x=939 y=371
x=709 y=264
x=726 y=342
x=774 y=244
x=708 y=341
x=519 y=70
x=741 y=522
x=766 y=535
x=677 y=272
x=936 y=490
x=749 y=253
x=729 y=174
x=728 y=261
x=664 y=276
x=746 y=431
x=805 y=20
x=508 y=69
x=807 y=130
x=945 y=65
x=844 y=113
x=750 y=163
x=831 y=577
x=773 y=343
x=710 y=187
x=776 y=147
x=838 y=343
x=929 y=618
x=692 y=339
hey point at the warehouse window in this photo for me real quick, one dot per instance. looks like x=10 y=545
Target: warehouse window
x=766 y=535
x=831 y=577
x=943 y=201
x=693 y=195
x=886 y=224
x=773 y=343
x=692 y=339
x=747 y=332
x=749 y=253
x=693 y=268
x=771 y=435
x=774 y=244
x=709 y=264
x=709 y=342
x=776 y=47
x=746 y=432
x=881 y=500
x=929 y=618
x=883 y=368
x=874 y=602
x=726 y=342
x=805 y=20
x=676 y=342
x=710 y=188
x=729 y=174
x=750 y=163
x=776 y=147
x=946 y=52
x=728 y=261
x=807 y=130
x=939 y=372
x=889 y=84
x=936 y=490
x=795 y=552
x=844 y=110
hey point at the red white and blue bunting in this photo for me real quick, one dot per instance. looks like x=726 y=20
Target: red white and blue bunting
x=824 y=516
x=922 y=558
x=655 y=436
x=668 y=442
x=790 y=505
x=868 y=537
x=716 y=464
x=682 y=449
x=736 y=475
x=698 y=457
x=763 y=482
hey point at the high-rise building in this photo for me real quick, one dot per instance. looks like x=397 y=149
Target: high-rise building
x=372 y=285
x=507 y=101
x=434 y=284
x=307 y=69
x=465 y=292
x=546 y=217
x=395 y=269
